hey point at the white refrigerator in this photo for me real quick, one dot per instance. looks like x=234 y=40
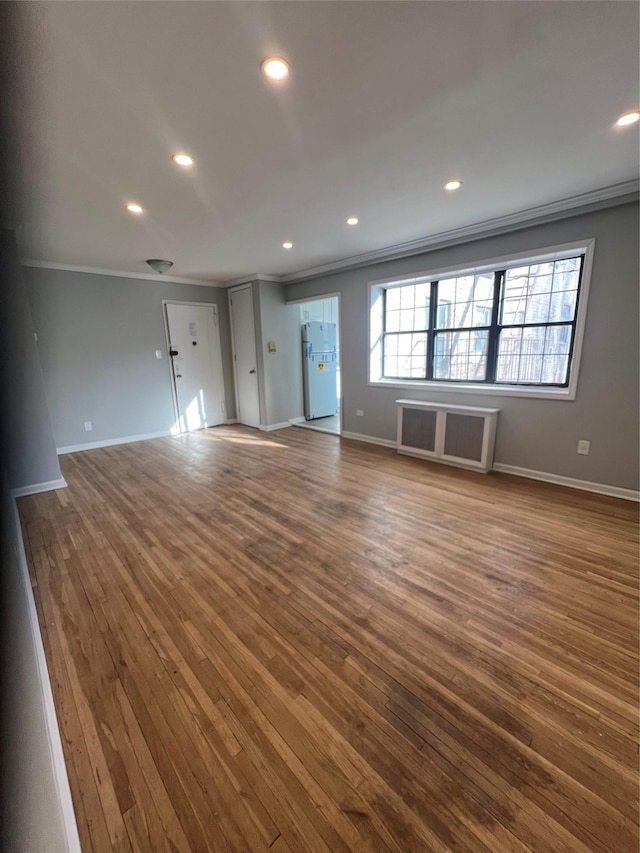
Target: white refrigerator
x=319 y=364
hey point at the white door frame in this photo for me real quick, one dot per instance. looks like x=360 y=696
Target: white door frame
x=335 y=295
x=174 y=394
x=230 y=291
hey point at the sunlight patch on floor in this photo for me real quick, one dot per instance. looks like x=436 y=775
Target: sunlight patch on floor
x=218 y=434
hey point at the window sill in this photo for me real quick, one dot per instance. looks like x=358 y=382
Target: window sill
x=565 y=394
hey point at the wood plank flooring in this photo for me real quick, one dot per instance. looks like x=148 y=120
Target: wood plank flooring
x=296 y=642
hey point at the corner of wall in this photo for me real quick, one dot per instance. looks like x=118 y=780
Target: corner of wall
x=27 y=435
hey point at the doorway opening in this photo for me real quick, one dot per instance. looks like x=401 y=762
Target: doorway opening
x=320 y=346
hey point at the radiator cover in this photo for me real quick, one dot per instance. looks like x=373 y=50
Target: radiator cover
x=457 y=435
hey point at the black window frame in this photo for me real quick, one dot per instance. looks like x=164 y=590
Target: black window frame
x=494 y=328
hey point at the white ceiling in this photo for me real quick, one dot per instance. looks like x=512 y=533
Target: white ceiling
x=385 y=102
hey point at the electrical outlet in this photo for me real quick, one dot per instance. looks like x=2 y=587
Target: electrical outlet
x=360 y=413
x=583 y=447
x=88 y=426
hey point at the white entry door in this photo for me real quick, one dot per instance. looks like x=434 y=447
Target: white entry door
x=196 y=360
x=244 y=355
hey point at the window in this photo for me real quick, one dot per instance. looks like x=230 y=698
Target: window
x=512 y=325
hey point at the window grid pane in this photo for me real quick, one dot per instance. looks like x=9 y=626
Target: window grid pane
x=461 y=355
x=540 y=293
x=465 y=302
x=405 y=355
x=534 y=355
x=407 y=308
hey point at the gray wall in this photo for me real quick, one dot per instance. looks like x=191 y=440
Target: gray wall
x=30 y=453
x=97 y=336
x=541 y=435
x=281 y=372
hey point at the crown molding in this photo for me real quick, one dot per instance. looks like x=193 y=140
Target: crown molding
x=561 y=209
x=256 y=276
x=172 y=279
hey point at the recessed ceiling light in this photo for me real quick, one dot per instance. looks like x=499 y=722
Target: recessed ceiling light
x=453 y=185
x=133 y=207
x=628 y=118
x=275 y=68
x=183 y=159
x=287 y=244
x=352 y=220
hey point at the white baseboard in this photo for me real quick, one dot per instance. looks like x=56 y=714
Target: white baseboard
x=369 y=439
x=56 y=755
x=36 y=488
x=570 y=482
x=230 y=421
x=294 y=421
x=543 y=476
x=271 y=427
x=109 y=442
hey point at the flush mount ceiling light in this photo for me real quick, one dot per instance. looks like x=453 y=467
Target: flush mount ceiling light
x=183 y=159
x=454 y=184
x=160 y=266
x=627 y=119
x=134 y=207
x=352 y=220
x=287 y=244
x=275 y=68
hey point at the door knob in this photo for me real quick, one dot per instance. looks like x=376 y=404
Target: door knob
x=253 y=370
x=178 y=376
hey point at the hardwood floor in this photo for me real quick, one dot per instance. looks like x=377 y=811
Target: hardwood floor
x=294 y=642
x=328 y=424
